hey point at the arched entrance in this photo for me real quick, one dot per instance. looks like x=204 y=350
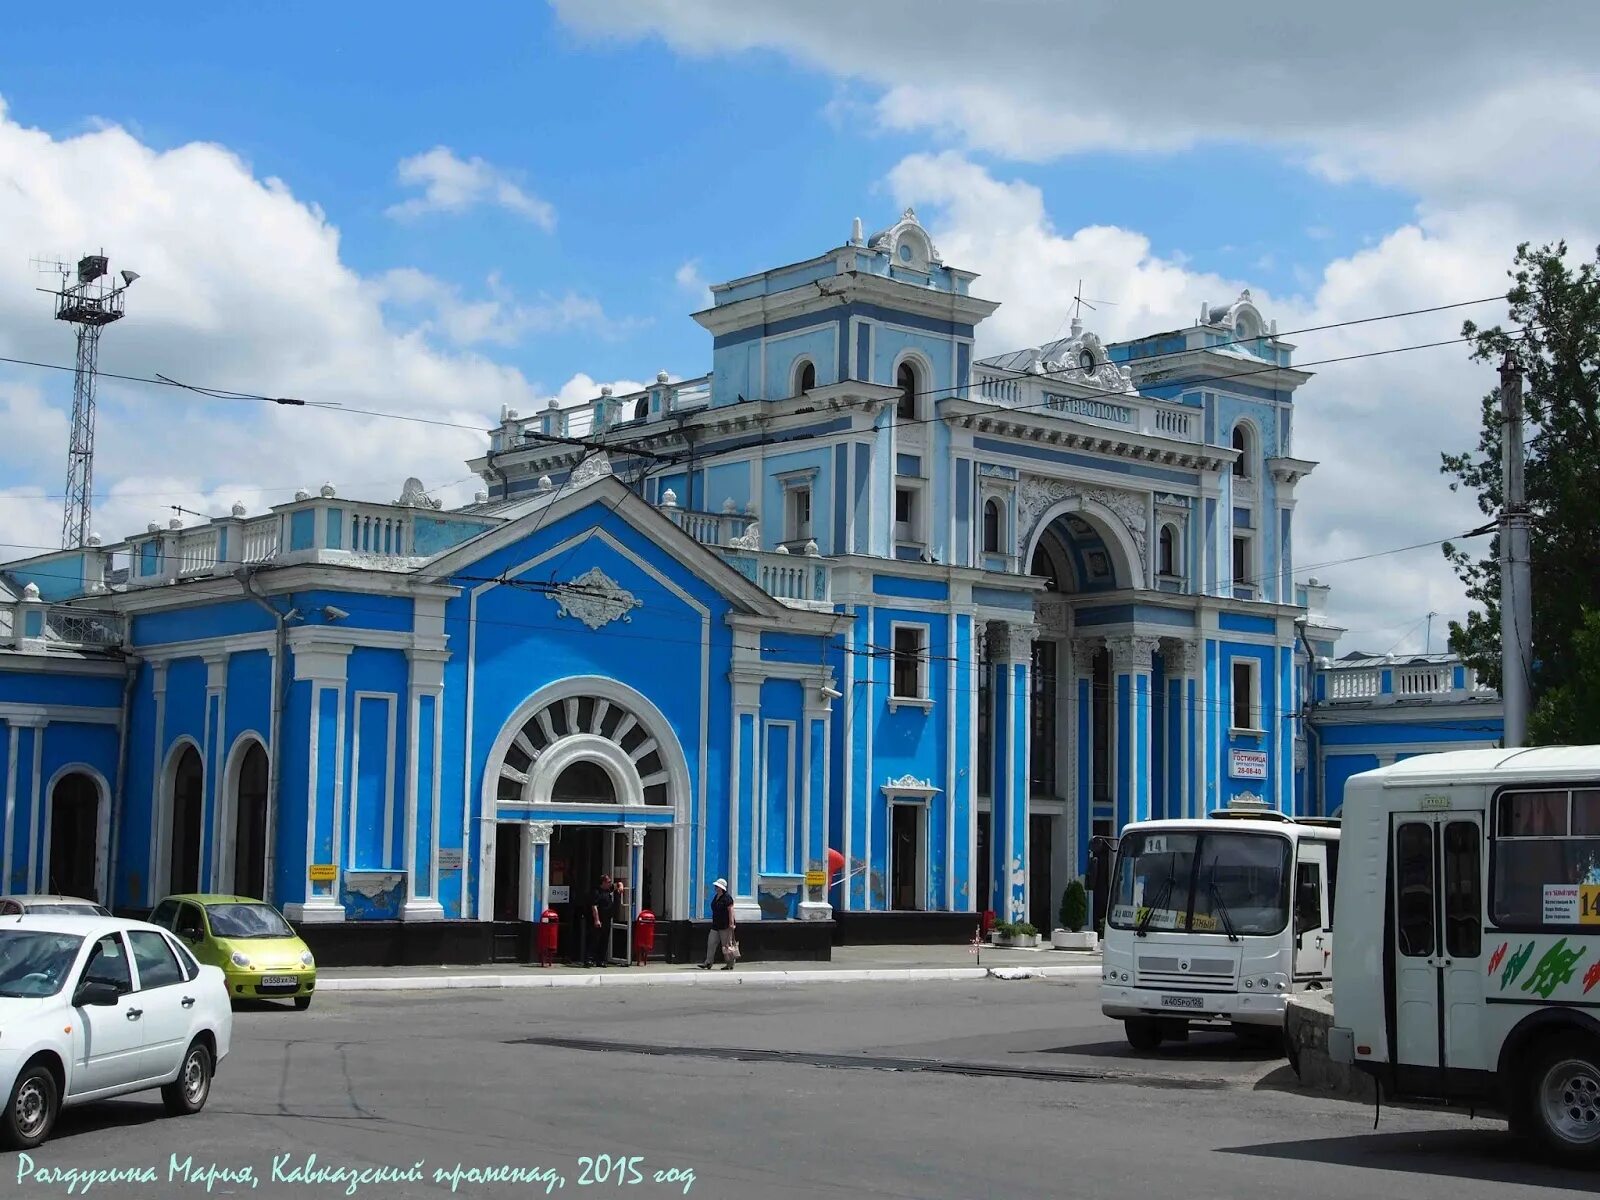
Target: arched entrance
x=75 y=836
x=598 y=771
x=186 y=805
x=248 y=847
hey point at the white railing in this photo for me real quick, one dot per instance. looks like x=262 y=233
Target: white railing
x=379 y=531
x=804 y=577
x=604 y=413
x=1129 y=412
x=83 y=628
x=260 y=541
x=1424 y=681
x=1354 y=685
x=197 y=551
x=709 y=529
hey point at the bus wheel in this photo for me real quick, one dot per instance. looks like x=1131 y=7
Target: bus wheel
x=1563 y=1099
x=1143 y=1033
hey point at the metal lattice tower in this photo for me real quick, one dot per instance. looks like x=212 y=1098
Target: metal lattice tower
x=90 y=305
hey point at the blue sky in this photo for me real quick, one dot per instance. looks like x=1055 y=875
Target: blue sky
x=609 y=157
x=649 y=159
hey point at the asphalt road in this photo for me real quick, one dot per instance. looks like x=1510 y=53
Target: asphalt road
x=989 y=1089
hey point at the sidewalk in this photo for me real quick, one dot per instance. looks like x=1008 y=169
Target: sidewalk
x=851 y=964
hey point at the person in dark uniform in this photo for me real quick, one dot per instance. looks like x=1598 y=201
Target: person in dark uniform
x=602 y=911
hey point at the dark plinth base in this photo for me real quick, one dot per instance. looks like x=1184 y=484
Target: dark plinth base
x=759 y=941
x=418 y=943
x=903 y=928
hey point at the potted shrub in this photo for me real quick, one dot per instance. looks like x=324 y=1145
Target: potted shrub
x=1000 y=933
x=1074 y=916
x=1024 y=935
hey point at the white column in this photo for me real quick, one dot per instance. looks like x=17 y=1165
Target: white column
x=324 y=665
x=423 y=794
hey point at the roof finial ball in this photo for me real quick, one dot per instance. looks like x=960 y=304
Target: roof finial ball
x=238 y=508
x=327 y=491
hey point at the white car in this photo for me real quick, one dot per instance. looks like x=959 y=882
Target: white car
x=92 y=1007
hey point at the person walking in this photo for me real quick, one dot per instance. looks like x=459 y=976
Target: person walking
x=722 y=925
x=602 y=911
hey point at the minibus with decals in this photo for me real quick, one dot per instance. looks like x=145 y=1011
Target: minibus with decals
x=1467 y=937
x=1216 y=922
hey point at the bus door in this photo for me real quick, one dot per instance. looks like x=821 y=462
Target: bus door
x=1438 y=949
x=1313 y=915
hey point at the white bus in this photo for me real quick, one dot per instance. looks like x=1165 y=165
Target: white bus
x=1468 y=937
x=1216 y=922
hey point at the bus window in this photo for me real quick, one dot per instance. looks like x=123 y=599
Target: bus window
x=1542 y=839
x=1308 y=897
x=1414 y=889
x=1463 y=895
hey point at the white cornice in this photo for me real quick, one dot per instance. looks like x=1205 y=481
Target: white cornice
x=1214 y=370
x=37 y=716
x=55 y=665
x=819 y=296
x=1045 y=429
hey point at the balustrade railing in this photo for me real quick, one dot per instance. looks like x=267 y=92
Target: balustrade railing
x=260 y=541
x=784 y=576
x=1131 y=413
x=197 y=551
x=1424 y=681
x=380 y=531
x=709 y=529
x=1354 y=685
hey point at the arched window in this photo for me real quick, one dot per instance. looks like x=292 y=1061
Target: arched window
x=806 y=379
x=250 y=824
x=74 y=835
x=188 y=800
x=1241 y=443
x=584 y=782
x=991 y=526
x=906 y=380
x=1167 y=552
x=641 y=408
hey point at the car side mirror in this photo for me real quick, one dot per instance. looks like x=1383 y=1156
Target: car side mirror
x=95 y=993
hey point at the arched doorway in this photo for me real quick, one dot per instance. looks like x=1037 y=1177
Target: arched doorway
x=187 y=808
x=74 y=836
x=249 y=831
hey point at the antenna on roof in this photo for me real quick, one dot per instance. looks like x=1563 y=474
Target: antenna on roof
x=1078 y=305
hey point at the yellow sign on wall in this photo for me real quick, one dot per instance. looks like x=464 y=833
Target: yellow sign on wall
x=323 y=872
x=816 y=878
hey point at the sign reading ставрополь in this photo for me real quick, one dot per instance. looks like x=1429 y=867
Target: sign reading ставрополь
x=307 y=1175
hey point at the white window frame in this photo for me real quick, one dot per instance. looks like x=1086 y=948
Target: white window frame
x=1256 y=706
x=797 y=367
x=1247 y=456
x=1252 y=580
x=916 y=528
x=1177 y=550
x=792 y=482
x=924 y=632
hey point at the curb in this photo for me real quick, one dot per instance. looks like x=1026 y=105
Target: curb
x=428 y=983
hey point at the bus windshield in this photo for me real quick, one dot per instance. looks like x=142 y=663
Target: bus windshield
x=1196 y=881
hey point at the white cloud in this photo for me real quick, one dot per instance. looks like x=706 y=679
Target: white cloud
x=1448 y=98
x=454 y=185
x=498 y=317
x=274 y=311
x=690 y=279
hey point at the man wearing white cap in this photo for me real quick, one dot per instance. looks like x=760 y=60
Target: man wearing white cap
x=721 y=929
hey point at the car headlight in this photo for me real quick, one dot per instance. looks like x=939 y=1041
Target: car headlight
x=239 y=960
x=306 y=960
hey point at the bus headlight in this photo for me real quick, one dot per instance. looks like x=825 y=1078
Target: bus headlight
x=1264 y=983
x=1249 y=984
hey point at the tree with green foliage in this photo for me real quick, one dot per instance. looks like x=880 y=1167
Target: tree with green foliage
x=1553 y=337
x=1074 y=907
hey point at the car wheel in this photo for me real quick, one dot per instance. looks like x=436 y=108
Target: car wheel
x=302 y=1003
x=1143 y=1033
x=1563 y=1099
x=31 y=1111
x=187 y=1094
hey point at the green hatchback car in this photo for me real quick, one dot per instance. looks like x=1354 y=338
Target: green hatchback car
x=258 y=953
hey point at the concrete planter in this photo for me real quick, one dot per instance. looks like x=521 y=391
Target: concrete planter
x=1017 y=942
x=1063 y=939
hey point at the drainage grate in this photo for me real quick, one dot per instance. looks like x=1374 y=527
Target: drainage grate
x=866 y=1062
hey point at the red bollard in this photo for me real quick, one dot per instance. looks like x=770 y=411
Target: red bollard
x=644 y=936
x=545 y=937
x=988 y=921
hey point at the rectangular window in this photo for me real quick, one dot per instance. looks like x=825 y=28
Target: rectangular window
x=1546 y=857
x=905 y=515
x=1463 y=890
x=799 y=515
x=1246 y=698
x=1244 y=583
x=1414 y=889
x=910 y=681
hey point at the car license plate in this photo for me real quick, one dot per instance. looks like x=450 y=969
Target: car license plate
x=279 y=981
x=1182 y=1002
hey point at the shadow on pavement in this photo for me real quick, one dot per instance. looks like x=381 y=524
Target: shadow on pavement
x=1200 y=1048
x=107 y=1114
x=1484 y=1153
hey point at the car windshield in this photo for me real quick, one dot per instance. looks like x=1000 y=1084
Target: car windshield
x=1217 y=879
x=247 y=921
x=66 y=908
x=33 y=963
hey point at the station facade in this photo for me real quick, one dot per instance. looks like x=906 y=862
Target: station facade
x=856 y=590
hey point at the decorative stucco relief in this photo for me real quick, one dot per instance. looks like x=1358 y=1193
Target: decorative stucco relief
x=595 y=599
x=1038 y=494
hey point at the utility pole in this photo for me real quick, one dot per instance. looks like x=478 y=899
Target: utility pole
x=1516 y=598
